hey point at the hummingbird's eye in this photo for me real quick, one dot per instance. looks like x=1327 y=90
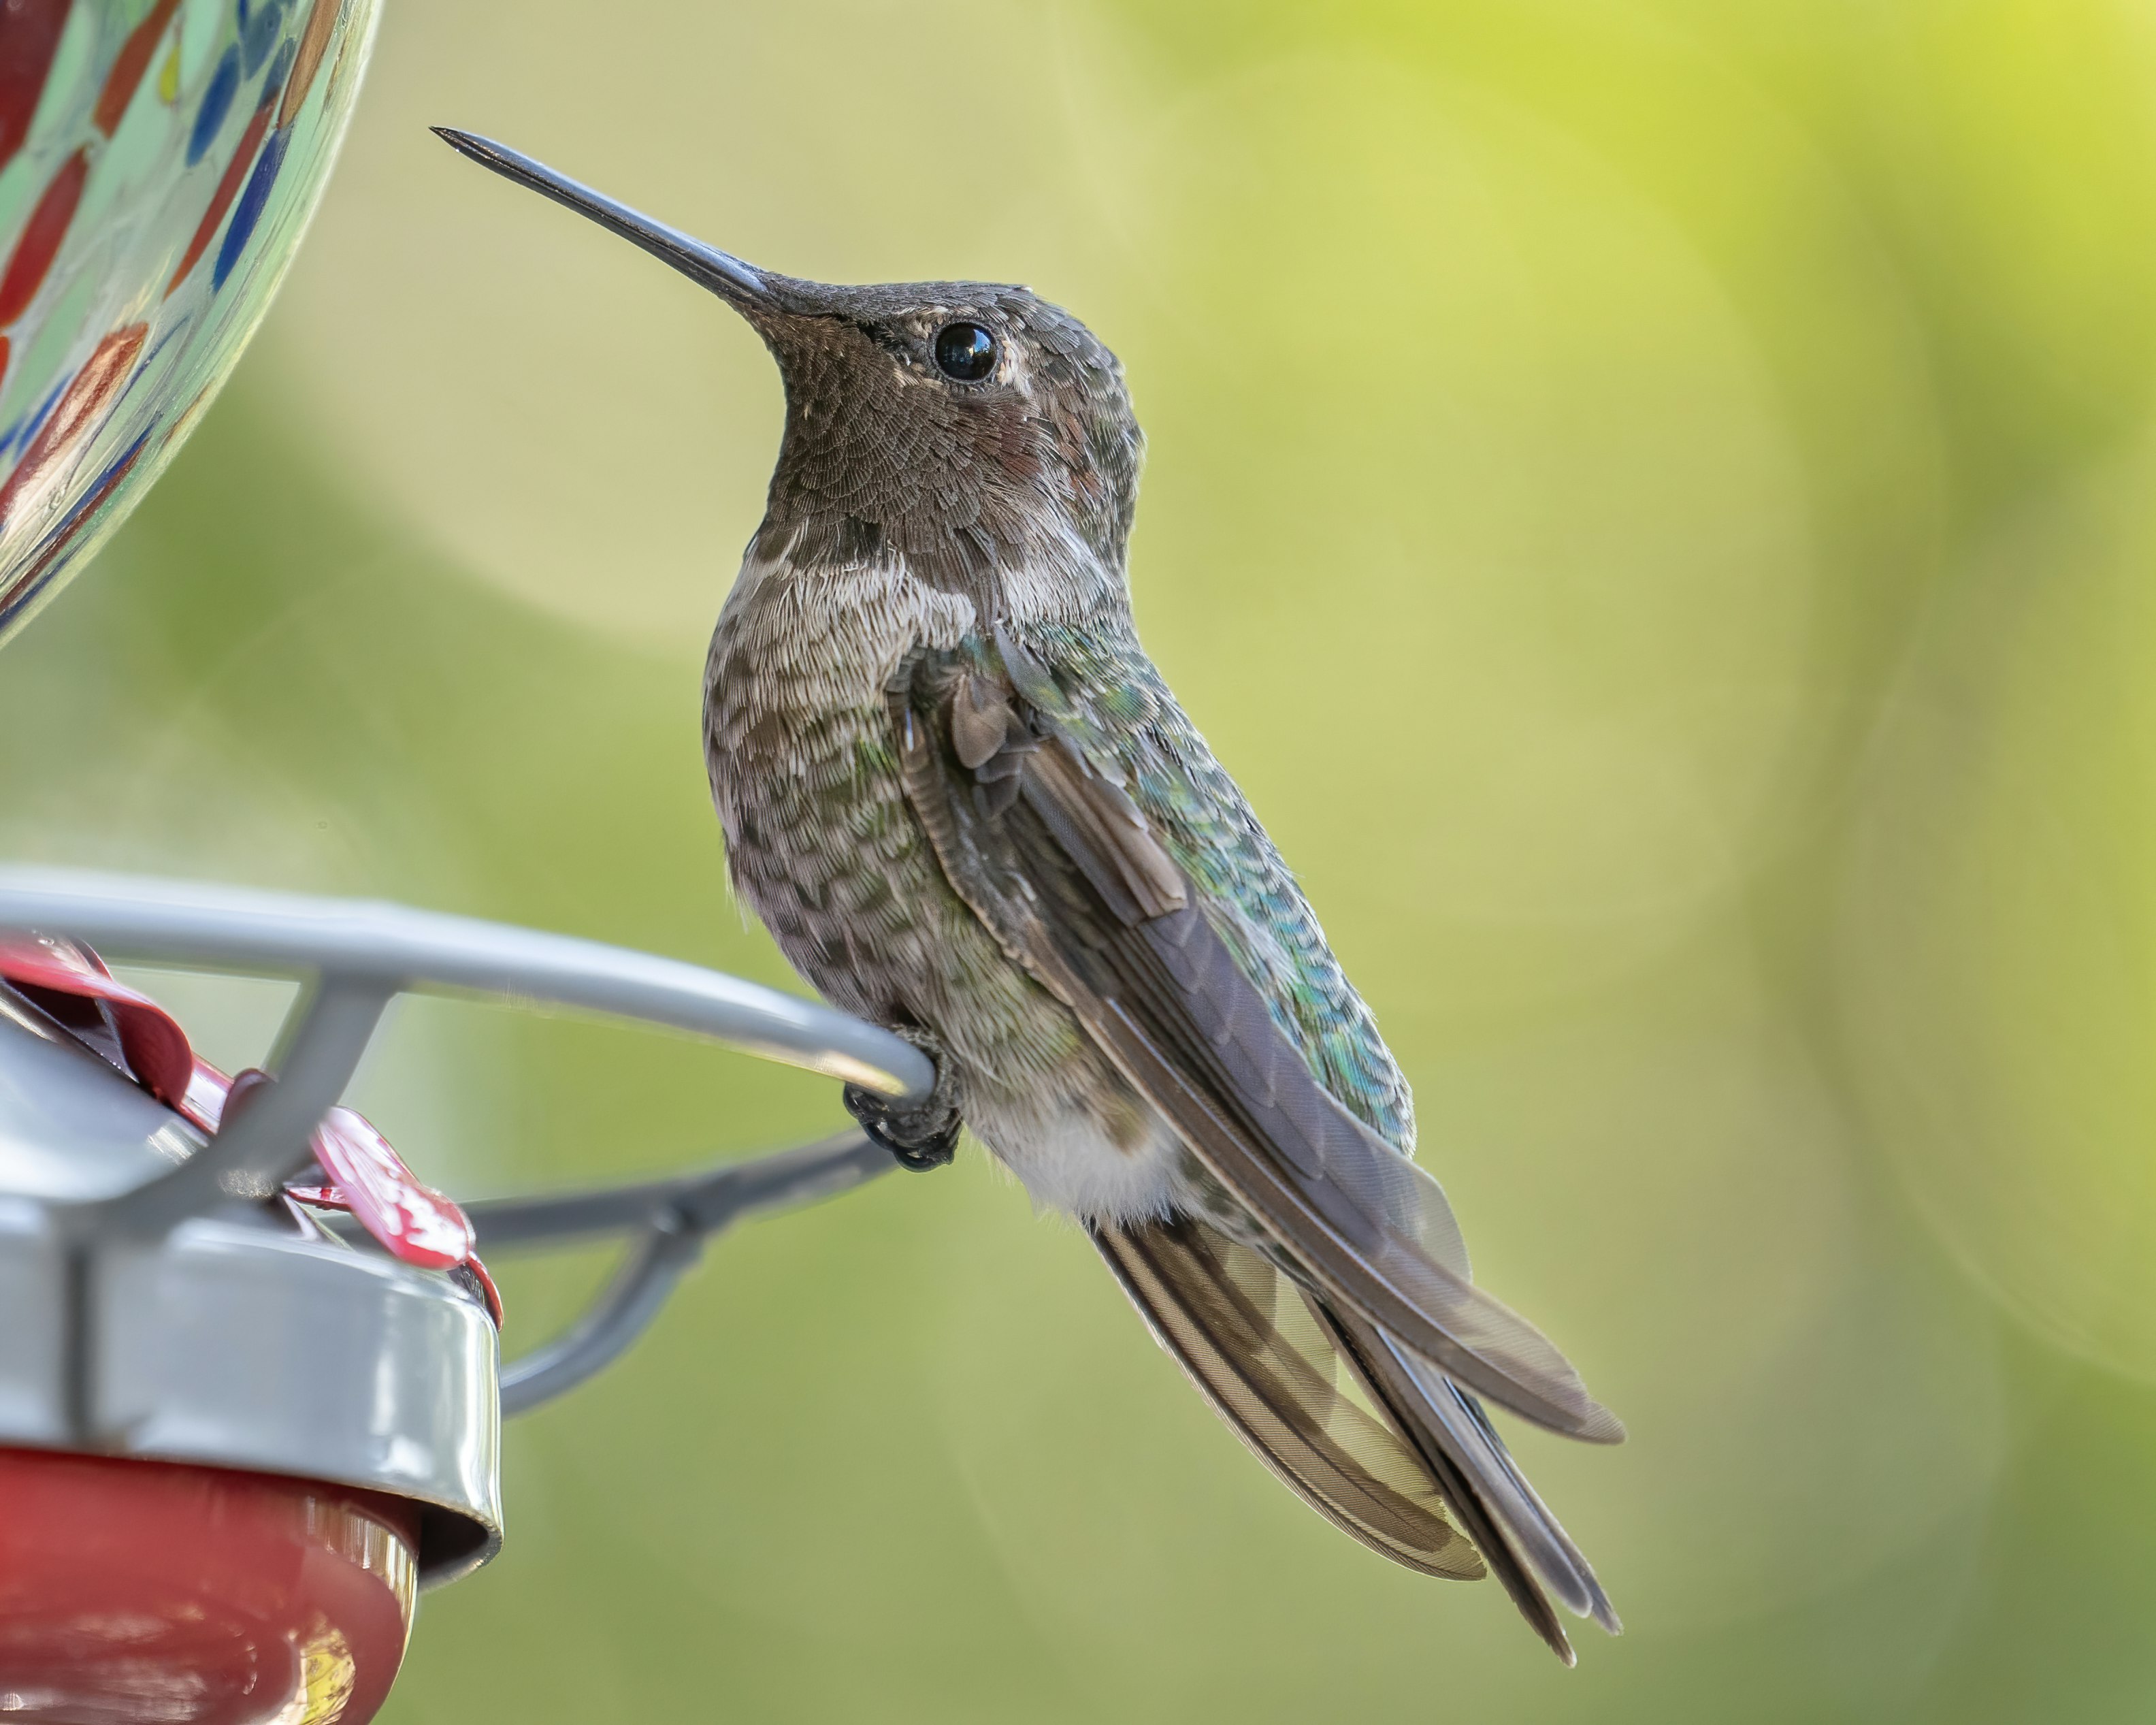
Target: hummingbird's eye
x=965 y=351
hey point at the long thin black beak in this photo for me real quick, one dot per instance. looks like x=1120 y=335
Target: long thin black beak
x=726 y=276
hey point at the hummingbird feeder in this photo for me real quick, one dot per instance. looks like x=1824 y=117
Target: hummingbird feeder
x=250 y=1397
x=250 y=1383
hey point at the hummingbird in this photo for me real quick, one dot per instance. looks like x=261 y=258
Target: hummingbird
x=968 y=808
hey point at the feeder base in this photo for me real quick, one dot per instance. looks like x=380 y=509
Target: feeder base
x=137 y=1590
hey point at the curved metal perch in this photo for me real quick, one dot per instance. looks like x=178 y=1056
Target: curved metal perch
x=673 y=1218
x=353 y=958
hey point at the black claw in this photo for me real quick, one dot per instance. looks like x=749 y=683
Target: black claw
x=918 y=1151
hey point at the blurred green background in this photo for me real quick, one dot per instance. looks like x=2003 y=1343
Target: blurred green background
x=1655 y=501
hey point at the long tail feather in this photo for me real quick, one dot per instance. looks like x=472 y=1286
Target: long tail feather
x=1271 y=1370
x=1377 y=1440
x=1522 y=1541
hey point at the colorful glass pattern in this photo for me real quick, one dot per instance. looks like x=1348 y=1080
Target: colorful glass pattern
x=158 y=162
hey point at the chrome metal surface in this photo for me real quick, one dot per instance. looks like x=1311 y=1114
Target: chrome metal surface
x=72 y=1131
x=672 y=1220
x=709 y=1198
x=233 y=1343
x=242 y=1338
x=34 y=1341
x=662 y=1255
x=150 y=1311
x=286 y=934
x=330 y=1028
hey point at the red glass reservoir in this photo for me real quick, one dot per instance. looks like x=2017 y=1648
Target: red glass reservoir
x=136 y=1590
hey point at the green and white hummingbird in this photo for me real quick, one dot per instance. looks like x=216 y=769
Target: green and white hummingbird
x=967 y=806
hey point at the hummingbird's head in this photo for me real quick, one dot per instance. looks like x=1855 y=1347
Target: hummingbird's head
x=973 y=430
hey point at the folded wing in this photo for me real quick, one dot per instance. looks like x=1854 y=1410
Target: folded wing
x=1344 y=1343
x=1058 y=863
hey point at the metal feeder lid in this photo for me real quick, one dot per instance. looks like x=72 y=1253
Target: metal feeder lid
x=244 y=1338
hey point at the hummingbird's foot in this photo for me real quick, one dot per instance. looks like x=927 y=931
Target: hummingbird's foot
x=921 y=1134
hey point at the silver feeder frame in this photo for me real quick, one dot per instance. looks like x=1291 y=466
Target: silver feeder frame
x=159 y=1306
